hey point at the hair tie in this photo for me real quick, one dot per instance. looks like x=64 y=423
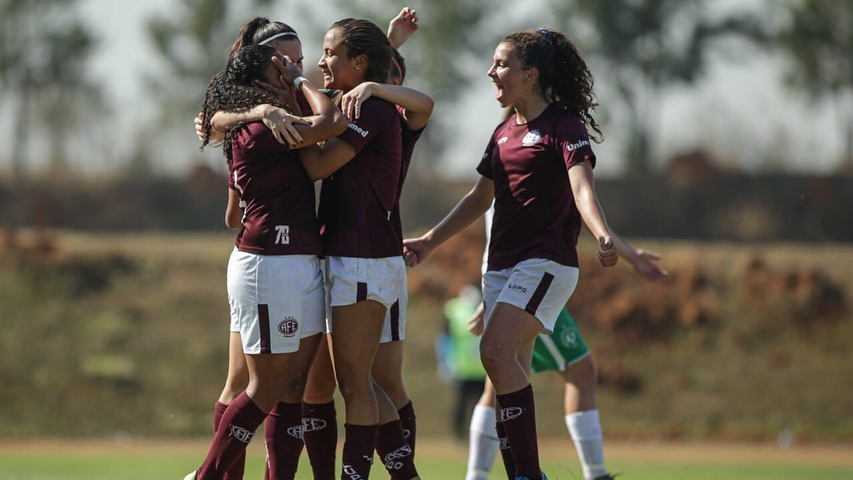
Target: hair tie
x=549 y=36
x=277 y=36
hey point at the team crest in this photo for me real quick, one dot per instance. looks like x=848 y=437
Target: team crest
x=532 y=138
x=502 y=140
x=510 y=413
x=569 y=338
x=241 y=434
x=295 y=431
x=312 y=424
x=288 y=327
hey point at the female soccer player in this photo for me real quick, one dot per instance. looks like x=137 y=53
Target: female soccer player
x=538 y=170
x=415 y=109
x=275 y=286
x=565 y=352
x=364 y=263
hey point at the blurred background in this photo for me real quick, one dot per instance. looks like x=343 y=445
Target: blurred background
x=728 y=148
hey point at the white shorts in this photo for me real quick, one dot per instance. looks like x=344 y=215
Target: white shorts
x=539 y=287
x=395 y=318
x=276 y=300
x=351 y=280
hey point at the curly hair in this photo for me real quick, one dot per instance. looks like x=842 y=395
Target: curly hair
x=261 y=30
x=231 y=90
x=364 y=37
x=564 y=77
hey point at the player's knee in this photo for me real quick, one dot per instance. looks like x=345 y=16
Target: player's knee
x=493 y=357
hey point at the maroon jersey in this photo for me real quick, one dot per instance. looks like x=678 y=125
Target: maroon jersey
x=356 y=201
x=409 y=138
x=276 y=195
x=535 y=211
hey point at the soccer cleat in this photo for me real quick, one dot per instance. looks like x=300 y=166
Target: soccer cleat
x=544 y=477
x=192 y=475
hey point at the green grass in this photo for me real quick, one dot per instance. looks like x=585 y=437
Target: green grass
x=53 y=462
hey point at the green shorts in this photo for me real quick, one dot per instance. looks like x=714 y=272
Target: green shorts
x=560 y=349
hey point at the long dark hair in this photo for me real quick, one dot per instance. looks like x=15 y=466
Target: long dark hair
x=260 y=30
x=364 y=37
x=231 y=90
x=564 y=77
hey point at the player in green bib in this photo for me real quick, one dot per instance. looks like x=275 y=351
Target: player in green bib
x=562 y=348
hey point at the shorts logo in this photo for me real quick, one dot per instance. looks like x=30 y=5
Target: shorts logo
x=532 y=138
x=510 y=413
x=569 y=338
x=241 y=434
x=288 y=327
x=312 y=424
x=295 y=431
x=517 y=287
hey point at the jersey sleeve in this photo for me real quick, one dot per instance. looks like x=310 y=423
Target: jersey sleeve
x=572 y=139
x=375 y=117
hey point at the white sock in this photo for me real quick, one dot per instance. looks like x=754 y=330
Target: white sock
x=483 y=443
x=585 y=430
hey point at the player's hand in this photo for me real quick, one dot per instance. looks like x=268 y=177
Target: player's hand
x=645 y=265
x=199 y=130
x=352 y=100
x=415 y=251
x=282 y=125
x=607 y=253
x=215 y=135
x=286 y=93
x=476 y=325
x=287 y=70
x=402 y=27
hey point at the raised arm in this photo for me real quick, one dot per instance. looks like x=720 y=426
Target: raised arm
x=471 y=207
x=583 y=188
x=417 y=105
x=402 y=27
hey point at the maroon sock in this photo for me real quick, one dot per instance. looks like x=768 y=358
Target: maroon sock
x=236 y=429
x=506 y=454
x=394 y=452
x=407 y=418
x=357 y=456
x=519 y=420
x=320 y=432
x=283 y=435
x=236 y=470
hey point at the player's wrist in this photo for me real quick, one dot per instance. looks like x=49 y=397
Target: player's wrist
x=298 y=81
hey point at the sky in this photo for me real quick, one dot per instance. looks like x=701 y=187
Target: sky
x=727 y=112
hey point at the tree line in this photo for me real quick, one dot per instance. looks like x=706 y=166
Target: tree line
x=643 y=47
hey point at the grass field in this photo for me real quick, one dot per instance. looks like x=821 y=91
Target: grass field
x=438 y=460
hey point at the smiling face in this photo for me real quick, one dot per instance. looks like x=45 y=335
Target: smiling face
x=291 y=49
x=340 y=72
x=508 y=75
